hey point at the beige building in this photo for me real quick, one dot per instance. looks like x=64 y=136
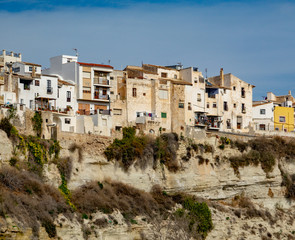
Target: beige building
x=157 y=98
x=229 y=103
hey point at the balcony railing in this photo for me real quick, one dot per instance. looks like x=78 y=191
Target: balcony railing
x=102 y=97
x=93 y=112
x=49 y=90
x=101 y=81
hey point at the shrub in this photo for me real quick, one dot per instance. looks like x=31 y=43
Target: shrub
x=131 y=148
x=208 y=148
x=6 y=126
x=13 y=161
x=24 y=197
x=37 y=123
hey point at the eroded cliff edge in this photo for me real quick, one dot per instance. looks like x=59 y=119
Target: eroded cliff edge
x=248 y=205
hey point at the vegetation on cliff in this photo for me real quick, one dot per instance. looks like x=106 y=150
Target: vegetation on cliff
x=143 y=148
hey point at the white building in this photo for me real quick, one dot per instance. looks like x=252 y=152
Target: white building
x=92 y=82
x=263 y=116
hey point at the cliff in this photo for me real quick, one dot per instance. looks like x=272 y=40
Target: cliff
x=248 y=202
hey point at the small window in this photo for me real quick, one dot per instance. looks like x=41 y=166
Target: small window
x=112 y=92
x=37 y=83
x=46 y=120
x=117 y=111
x=262 y=127
x=68 y=96
x=163 y=115
x=143 y=94
x=175 y=76
x=112 y=78
x=118 y=128
x=225 y=106
x=164 y=75
x=17 y=69
x=208 y=105
x=104 y=92
x=133 y=92
x=67 y=121
x=214 y=105
x=282 y=119
x=235 y=105
x=189 y=107
x=181 y=105
x=262 y=111
x=234 y=88
x=30 y=68
x=199 y=97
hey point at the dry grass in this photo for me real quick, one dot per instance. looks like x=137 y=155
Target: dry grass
x=24 y=197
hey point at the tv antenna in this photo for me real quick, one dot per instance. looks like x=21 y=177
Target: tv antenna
x=76 y=51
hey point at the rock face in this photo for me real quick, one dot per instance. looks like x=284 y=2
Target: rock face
x=214 y=179
x=6 y=148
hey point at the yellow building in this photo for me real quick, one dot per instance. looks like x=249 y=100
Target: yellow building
x=284 y=119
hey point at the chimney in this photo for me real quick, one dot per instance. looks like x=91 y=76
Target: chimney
x=221 y=77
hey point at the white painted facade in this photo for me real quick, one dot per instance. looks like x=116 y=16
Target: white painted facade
x=263 y=116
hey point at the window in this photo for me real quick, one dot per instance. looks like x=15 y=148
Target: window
x=181 y=105
x=243 y=92
x=26 y=86
x=133 y=92
x=112 y=92
x=118 y=128
x=262 y=111
x=49 y=88
x=164 y=75
x=196 y=80
x=262 y=127
x=201 y=80
x=67 y=121
x=30 y=69
x=214 y=105
x=175 y=76
x=199 y=97
x=189 y=107
x=234 y=88
x=243 y=108
x=22 y=101
x=104 y=92
x=37 y=83
x=117 y=111
x=143 y=94
x=235 y=105
x=228 y=124
x=163 y=115
x=112 y=78
x=163 y=94
x=225 y=106
x=31 y=104
x=208 y=105
x=239 y=122
x=17 y=69
x=86 y=75
x=68 y=96
x=282 y=119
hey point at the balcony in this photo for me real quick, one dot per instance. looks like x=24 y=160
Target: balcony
x=98 y=96
x=101 y=81
x=49 y=90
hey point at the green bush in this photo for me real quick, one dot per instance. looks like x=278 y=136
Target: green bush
x=131 y=148
x=13 y=161
x=37 y=123
x=6 y=126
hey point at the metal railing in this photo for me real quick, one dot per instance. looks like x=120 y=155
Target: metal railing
x=101 y=81
x=103 y=97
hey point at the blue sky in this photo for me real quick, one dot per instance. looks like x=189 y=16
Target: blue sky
x=254 y=40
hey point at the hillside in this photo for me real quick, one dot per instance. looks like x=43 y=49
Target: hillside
x=146 y=188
